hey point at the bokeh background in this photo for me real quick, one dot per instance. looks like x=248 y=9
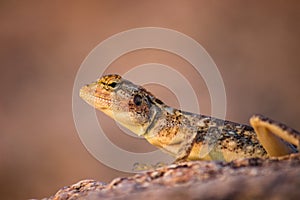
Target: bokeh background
x=255 y=45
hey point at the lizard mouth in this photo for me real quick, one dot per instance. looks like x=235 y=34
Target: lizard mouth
x=92 y=96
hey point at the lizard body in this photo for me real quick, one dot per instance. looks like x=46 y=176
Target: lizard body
x=184 y=135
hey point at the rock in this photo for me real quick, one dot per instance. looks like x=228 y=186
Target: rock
x=254 y=178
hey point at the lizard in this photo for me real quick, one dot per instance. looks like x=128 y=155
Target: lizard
x=184 y=135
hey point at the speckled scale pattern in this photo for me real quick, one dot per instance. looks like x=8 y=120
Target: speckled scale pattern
x=184 y=135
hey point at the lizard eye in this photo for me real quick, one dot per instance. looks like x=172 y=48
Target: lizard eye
x=112 y=84
x=137 y=100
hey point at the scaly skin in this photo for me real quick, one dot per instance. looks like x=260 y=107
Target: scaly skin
x=184 y=135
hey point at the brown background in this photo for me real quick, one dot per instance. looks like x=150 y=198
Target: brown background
x=255 y=46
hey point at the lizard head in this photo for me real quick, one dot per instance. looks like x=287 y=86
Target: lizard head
x=130 y=105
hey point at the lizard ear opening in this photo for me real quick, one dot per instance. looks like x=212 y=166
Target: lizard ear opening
x=137 y=99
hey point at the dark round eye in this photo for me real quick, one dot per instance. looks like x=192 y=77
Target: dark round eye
x=112 y=84
x=137 y=100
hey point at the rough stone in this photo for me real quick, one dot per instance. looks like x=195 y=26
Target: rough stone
x=276 y=178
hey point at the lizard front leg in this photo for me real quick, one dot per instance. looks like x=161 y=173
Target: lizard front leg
x=274 y=136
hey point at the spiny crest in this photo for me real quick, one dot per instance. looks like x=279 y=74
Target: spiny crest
x=151 y=96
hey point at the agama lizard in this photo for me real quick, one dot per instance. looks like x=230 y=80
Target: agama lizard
x=184 y=135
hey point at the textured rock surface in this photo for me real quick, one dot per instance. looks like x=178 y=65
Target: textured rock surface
x=240 y=179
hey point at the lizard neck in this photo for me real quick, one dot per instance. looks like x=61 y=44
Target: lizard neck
x=171 y=131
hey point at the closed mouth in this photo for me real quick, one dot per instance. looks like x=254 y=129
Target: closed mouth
x=88 y=94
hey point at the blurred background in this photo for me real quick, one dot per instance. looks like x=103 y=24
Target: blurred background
x=255 y=45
